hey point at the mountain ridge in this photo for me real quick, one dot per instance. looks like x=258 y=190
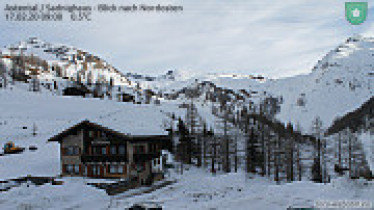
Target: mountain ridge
x=340 y=82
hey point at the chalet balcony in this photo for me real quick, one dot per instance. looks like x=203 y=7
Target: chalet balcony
x=100 y=140
x=143 y=157
x=103 y=158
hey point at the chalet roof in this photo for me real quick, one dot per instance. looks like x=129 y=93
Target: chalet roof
x=127 y=119
x=116 y=133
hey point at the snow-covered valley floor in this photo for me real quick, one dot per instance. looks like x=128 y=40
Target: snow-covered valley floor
x=196 y=189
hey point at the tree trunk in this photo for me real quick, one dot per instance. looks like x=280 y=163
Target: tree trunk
x=350 y=154
x=276 y=173
x=214 y=156
x=298 y=162
x=236 y=155
x=340 y=150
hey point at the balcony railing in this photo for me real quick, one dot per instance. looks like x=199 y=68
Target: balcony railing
x=142 y=157
x=103 y=158
x=100 y=140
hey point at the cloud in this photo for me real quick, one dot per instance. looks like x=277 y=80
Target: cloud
x=274 y=38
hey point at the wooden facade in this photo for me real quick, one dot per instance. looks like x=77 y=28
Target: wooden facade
x=88 y=149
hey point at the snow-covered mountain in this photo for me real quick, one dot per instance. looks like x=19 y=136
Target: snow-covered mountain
x=340 y=82
x=57 y=66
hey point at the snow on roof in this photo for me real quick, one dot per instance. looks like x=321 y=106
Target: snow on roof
x=134 y=120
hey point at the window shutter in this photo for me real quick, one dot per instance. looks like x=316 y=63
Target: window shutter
x=89 y=171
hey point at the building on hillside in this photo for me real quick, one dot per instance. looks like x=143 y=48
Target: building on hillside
x=80 y=90
x=92 y=150
x=124 y=97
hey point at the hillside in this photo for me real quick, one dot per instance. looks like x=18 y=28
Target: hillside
x=339 y=83
x=55 y=67
x=361 y=118
x=50 y=115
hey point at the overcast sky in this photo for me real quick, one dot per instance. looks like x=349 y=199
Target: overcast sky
x=269 y=37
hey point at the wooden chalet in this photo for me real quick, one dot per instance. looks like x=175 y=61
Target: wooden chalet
x=91 y=150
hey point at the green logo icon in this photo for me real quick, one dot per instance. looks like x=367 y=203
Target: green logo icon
x=356 y=12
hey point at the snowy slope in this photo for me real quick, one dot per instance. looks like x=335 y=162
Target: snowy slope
x=340 y=82
x=21 y=110
x=178 y=79
x=65 y=64
x=74 y=194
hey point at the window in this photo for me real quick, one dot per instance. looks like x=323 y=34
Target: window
x=72 y=169
x=121 y=150
x=69 y=151
x=69 y=168
x=91 y=134
x=113 y=150
x=76 y=169
x=113 y=169
x=120 y=169
x=72 y=150
x=99 y=150
x=95 y=170
x=116 y=169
